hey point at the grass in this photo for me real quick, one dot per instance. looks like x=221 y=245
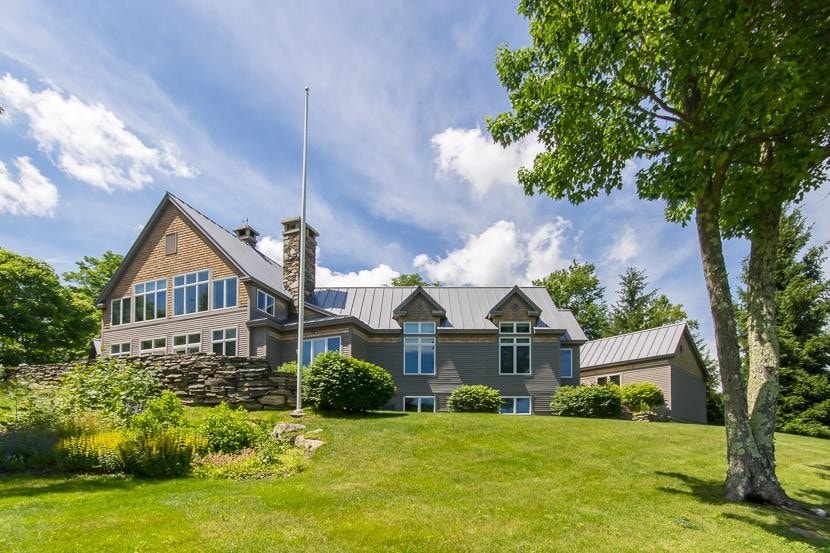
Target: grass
x=442 y=482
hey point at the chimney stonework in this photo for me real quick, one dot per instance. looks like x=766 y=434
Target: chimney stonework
x=291 y=258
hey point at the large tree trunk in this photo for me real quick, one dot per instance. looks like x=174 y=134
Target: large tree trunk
x=749 y=475
x=762 y=334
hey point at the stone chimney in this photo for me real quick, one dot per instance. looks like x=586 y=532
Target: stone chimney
x=247 y=234
x=291 y=258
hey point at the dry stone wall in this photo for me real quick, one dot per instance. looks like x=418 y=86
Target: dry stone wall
x=198 y=379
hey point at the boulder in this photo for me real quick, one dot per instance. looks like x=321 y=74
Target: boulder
x=286 y=428
x=308 y=444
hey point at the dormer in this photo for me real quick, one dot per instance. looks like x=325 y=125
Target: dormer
x=419 y=306
x=514 y=306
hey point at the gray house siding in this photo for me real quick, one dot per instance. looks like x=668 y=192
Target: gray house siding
x=659 y=375
x=688 y=397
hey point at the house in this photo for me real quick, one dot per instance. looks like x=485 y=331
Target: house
x=666 y=356
x=188 y=285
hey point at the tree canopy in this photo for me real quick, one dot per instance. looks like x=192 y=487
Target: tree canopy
x=412 y=279
x=577 y=288
x=93 y=273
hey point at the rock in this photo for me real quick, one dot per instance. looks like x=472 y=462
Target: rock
x=308 y=444
x=315 y=431
x=286 y=428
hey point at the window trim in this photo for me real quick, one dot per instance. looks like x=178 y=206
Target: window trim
x=571 y=367
x=267 y=295
x=421 y=337
x=514 y=413
x=121 y=352
x=173 y=289
x=182 y=350
x=212 y=293
x=144 y=294
x=419 y=398
x=607 y=376
x=224 y=340
x=121 y=310
x=152 y=351
x=513 y=335
x=325 y=337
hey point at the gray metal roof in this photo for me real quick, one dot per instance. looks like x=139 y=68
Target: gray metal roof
x=635 y=346
x=466 y=307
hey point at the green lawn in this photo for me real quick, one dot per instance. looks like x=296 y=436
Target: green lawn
x=444 y=482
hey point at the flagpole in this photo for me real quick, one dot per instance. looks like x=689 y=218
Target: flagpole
x=298 y=412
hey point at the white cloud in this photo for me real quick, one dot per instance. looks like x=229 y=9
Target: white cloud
x=626 y=247
x=31 y=194
x=475 y=158
x=381 y=275
x=90 y=142
x=271 y=247
x=500 y=256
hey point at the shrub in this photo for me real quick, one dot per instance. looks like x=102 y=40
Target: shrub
x=818 y=413
x=807 y=428
x=269 y=460
x=27 y=449
x=95 y=453
x=230 y=430
x=118 y=389
x=337 y=383
x=641 y=396
x=161 y=455
x=587 y=401
x=289 y=367
x=163 y=412
x=474 y=399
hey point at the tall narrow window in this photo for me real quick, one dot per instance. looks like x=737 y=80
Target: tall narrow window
x=265 y=303
x=190 y=293
x=315 y=346
x=514 y=348
x=120 y=311
x=150 y=300
x=419 y=348
x=224 y=341
x=566 y=363
x=224 y=293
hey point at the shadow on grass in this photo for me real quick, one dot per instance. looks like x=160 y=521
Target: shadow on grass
x=30 y=485
x=824 y=470
x=789 y=525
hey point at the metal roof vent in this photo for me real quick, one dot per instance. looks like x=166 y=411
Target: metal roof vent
x=247 y=234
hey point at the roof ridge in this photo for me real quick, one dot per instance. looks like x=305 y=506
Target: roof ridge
x=637 y=331
x=426 y=287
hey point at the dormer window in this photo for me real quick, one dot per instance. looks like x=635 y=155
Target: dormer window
x=419 y=348
x=514 y=348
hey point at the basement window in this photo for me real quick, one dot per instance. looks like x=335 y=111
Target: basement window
x=120 y=350
x=152 y=346
x=187 y=343
x=419 y=404
x=515 y=405
x=224 y=341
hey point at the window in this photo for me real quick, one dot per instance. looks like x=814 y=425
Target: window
x=515 y=405
x=419 y=404
x=265 y=303
x=152 y=346
x=613 y=378
x=224 y=293
x=120 y=350
x=170 y=243
x=187 y=343
x=566 y=363
x=315 y=346
x=190 y=293
x=120 y=311
x=419 y=348
x=224 y=341
x=514 y=348
x=150 y=300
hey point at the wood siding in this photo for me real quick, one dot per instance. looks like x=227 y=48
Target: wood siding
x=659 y=375
x=688 y=397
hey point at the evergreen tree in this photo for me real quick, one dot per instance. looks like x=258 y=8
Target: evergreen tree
x=577 y=288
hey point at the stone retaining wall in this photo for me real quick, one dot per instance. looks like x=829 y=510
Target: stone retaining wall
x=198 y=379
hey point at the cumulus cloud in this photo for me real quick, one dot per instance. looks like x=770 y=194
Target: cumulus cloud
x=30 y=194
x=501 y=255
x=381 y=275
x=626 y=246
x=270 y=247
x=475 y=158
x=89 y=142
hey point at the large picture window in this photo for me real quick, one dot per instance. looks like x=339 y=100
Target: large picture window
x=224 y=341
x=315 y=346
x=265 y=302
x=419 y=348
x=120 y=311
x=566 y=363
x=224 y=293
x=150 y=300
x=190 y=293
x=514 y=348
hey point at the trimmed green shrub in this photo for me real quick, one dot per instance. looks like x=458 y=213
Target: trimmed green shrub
x=161 y=455
x=603 y=401
x=474 y=399
x=163 y=412
x=641 y=396
x=807 y=428
x=95 y=453
x=230 y=430
x=337 y=383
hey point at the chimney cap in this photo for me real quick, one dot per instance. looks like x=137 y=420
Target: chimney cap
x=246 y=231
x=292 y=225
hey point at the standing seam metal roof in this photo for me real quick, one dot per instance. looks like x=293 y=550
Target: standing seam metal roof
x=645 y=344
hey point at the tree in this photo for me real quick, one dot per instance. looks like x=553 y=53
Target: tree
x=577 y=288
x=726 y=105
x=94 y=273
x=40 y=320
x=412 y=279
x=638 y=309
x=802 y=307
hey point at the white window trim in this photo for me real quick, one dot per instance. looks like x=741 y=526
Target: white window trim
x=121 y=310
x=256 y=304
x=153 y=350
x=121 y=349
x=419 y=333
x=324 y=337
x=528 y=335
x=514 y=398
x=225 y=340
x=608 y=376
x=421 y=336
x=173 y=288
x=183 y=348
x=419 y=398
x=211 y=296
x=144 y=294
x=571 y=368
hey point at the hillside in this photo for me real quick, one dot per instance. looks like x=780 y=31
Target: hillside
x=441 y=482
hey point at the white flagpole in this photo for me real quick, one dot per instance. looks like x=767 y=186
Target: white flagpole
x=298 y=412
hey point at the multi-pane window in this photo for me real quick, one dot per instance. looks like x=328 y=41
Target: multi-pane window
x=514 y=348
x=120 y=350
x=224 y=293
x=120 y=311
x=315 y=346
x=152 y=346
x=419 y=348
x=190 y=293
x=419 y=404
x=187 y=343
x=612 y=378
x=515 y=405
x=566 y=363
x=150 y=300
x=265 y=303
x=223 y=341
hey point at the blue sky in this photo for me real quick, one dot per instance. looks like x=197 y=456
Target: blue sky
x=110 y=104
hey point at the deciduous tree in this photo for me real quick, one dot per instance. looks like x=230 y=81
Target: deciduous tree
x=577 y=288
